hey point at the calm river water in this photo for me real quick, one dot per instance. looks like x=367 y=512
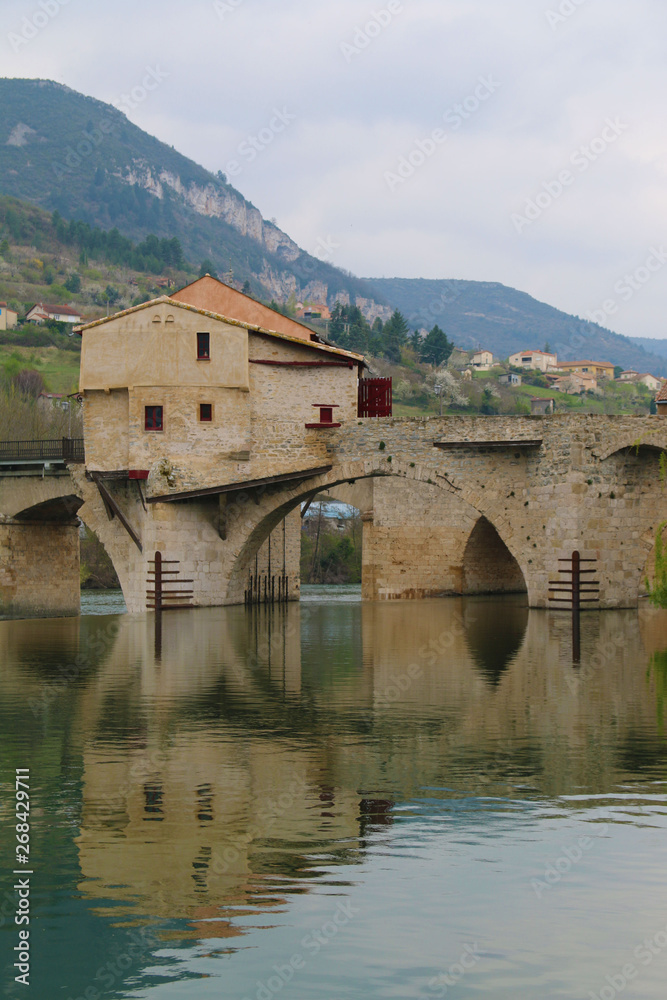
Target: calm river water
x=338 y=801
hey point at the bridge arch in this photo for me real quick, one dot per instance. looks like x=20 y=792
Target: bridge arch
x=655 y=439
x=488 y=565
x=274 y=508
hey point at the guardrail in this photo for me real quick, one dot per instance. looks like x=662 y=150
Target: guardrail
x=54 y=450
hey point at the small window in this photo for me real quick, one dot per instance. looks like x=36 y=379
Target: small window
x=153 y=418
x=206 y=412
x=203 y=346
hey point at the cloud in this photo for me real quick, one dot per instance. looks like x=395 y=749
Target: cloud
x=367 y=84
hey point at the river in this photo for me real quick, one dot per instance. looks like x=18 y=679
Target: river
x=339 y=801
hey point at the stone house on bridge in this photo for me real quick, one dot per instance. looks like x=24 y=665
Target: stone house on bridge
x=182 y=397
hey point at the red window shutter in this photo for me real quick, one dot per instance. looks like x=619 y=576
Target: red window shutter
x=375 y=397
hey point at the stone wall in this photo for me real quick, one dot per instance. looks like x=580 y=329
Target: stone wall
x=413 y=541
x=39 y=569
x=582 y=486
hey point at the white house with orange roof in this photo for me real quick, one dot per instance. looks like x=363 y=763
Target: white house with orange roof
x=537 y=360
x=43 y=311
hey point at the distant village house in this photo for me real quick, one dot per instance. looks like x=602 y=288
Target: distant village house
x=8 y=318
x=317 y=310
x=535 y=360
x=541 y=406
x=600 y=369
x=650 y=381
x=43 y=311
x=510 y=378
x=482 y=361
x=574 y=383
x=46 y=400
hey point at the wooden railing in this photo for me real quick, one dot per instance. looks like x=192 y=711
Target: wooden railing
x=54 y=450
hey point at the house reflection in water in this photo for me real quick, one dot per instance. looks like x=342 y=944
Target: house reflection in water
x=267 y=747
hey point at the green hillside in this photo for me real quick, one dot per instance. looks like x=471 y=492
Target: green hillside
x=62 y=150
x=503 y=320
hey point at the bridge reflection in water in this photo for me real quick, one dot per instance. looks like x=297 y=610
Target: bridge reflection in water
x=274 y=755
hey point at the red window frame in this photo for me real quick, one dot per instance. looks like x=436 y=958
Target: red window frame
x=206 y=413
x=154 y=418
x=203 y=347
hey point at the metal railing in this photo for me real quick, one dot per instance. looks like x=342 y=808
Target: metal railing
x=58 y=450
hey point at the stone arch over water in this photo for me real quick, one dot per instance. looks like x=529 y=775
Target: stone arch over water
x=274 y=508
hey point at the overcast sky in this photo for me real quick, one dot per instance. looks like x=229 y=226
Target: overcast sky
x=410 y=136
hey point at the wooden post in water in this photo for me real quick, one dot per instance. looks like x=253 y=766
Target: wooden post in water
x=158 y=605
x=576 y=607
x=573 y=589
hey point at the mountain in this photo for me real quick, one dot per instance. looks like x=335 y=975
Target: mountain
x=63 y=151
x=652 y=346
x=489 y=315
x=67 y=152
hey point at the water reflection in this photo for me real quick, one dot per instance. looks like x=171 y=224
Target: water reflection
x=494 y=646
x=273 y=756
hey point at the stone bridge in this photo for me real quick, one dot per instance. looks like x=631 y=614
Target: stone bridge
x=450 y=505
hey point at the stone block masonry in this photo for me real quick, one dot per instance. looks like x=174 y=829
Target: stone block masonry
x=39 y=569
x=471 y=518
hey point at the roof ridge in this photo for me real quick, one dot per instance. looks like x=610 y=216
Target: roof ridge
x=167 y=300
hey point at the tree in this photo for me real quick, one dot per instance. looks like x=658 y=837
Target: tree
x=246 y=287
x=395 y=336
x=658 y=592
x=488 y=407
x=617 y=371
x=73 y=283
x=207 y=267
x=435 y=347
x=28 y=382
x=443 y=384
